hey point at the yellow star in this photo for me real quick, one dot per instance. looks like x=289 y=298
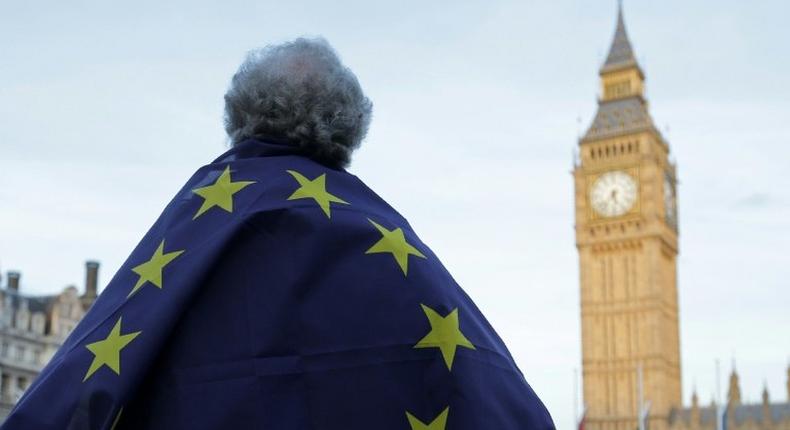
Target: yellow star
x=151 y=270
x=394 y=242
x=437 y=424
x=316 y=190
x=220 y=193
x=107 y=352
x=444 y=335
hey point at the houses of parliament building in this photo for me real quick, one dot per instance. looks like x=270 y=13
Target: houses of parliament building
x=626 y=227
x=627 y=238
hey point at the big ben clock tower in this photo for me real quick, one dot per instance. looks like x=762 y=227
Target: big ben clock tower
x=626 y=234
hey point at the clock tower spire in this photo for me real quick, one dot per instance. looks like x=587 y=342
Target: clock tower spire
x=626 y=235
x=620 y=74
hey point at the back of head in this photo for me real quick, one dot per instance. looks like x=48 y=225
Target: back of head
x=299 y=93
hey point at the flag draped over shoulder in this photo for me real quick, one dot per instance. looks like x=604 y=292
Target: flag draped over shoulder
x=276 y=293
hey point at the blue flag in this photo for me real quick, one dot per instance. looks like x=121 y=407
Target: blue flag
x=276 y=293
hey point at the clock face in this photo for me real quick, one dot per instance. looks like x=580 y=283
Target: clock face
x=613 y=194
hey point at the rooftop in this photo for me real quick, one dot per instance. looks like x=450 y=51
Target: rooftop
x=621 y=54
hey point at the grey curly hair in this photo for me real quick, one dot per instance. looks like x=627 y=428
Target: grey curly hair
x=301 y=94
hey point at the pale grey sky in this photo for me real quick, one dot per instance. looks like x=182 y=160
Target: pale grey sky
x=106 y=109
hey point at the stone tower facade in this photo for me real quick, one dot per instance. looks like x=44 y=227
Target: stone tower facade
x=627 y=239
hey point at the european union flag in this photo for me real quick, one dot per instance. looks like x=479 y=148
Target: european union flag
x=276 y=293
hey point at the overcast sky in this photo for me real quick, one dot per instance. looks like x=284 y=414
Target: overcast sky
x=106 y=109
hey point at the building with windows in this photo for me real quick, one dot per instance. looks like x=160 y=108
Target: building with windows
x=627 y=238
x=33 y=327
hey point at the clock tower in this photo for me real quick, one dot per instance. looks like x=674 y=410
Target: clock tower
x=626 y=235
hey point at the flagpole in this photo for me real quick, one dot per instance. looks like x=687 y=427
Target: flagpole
x=718 y=397
x=575 y=397
x=640 y=395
